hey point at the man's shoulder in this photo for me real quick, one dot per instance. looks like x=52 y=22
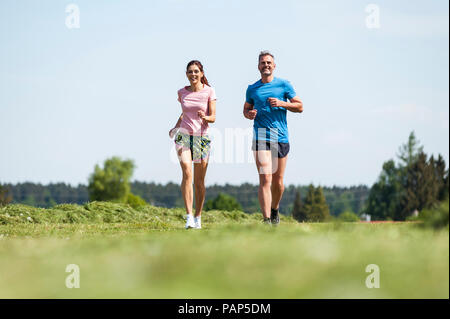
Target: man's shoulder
x=282 y=81
x=254 y=85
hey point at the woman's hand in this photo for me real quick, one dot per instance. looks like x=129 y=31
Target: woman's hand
x=201 y=115
x=172 y=132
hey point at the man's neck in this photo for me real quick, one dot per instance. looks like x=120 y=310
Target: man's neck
x=267 y=79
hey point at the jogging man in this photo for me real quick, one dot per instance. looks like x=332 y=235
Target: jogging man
x=267 y=102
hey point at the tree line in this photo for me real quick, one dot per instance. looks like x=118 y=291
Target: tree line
x=415 y=183
x=339 y=199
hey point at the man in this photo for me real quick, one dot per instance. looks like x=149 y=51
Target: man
x=267 y=102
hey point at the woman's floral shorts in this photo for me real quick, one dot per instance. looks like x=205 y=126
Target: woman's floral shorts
x=199 y=145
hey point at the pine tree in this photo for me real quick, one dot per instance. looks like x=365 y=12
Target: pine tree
x=309 y=202
x=321 y=211
x=298 y=211
x=421 y=187
x=315 y=207
x=409 y=152
x=414 y=184
x=384 y=197
x=442 y=178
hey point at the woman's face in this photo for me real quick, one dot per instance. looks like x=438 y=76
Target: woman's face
x=194 y=74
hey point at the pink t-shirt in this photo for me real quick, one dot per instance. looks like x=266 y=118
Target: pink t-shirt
x=191 y=103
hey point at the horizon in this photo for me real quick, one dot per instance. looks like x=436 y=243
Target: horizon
x=176 y=183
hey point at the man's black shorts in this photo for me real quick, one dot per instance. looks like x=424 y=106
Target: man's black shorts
x=281 y=148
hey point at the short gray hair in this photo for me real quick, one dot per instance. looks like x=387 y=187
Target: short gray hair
x=264 y=53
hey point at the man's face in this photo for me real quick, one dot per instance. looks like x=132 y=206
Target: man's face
x=266 y=65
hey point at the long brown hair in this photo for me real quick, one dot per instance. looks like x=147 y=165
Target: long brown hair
x=204 y=80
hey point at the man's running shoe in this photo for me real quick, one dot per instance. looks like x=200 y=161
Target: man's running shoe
x=274 y=216
x=267 y=221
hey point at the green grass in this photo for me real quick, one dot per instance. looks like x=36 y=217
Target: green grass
x=146 y=253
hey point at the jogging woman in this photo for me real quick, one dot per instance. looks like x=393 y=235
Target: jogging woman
x=198 y=103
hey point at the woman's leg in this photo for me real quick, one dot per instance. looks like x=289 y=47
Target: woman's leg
x=184 y=155
x=199 y=185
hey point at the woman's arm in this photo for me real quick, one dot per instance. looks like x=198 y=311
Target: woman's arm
x=172 y=130
x=211 y=118
x=179 y=121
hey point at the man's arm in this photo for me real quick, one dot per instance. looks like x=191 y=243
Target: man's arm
x=249 y=112
x=294 y=105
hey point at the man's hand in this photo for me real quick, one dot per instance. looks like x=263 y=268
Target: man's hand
x=295 y=105
x=249 y=112
x=252 y=114
x=276 y=102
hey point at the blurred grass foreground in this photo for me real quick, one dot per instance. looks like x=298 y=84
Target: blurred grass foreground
x=123 y=252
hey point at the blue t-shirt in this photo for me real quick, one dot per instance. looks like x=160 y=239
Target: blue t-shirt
x=270 y=121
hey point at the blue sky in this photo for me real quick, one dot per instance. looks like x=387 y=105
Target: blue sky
x=70 y=98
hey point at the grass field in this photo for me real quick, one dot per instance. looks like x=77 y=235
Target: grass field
x=146 y=253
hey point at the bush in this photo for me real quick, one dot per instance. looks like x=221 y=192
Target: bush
x=437 y=217
x=348 y=217
x=135 y=201
x=223 y=202
x=112 y=182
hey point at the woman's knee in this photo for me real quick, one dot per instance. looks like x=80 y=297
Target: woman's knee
x=199 y=184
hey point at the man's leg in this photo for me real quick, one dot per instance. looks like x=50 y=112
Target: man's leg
x=263 y=161
x=277 y=188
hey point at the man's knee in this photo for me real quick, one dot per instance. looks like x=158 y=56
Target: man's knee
x=265 y=179
x=277 y=182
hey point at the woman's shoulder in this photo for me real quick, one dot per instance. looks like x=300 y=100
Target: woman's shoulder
x=209 y=88
x=211 y=92
x=182 y=91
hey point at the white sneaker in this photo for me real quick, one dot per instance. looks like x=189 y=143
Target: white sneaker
x=198 y=222
x=189 y=222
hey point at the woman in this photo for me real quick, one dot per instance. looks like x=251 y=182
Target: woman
x=198 y=103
